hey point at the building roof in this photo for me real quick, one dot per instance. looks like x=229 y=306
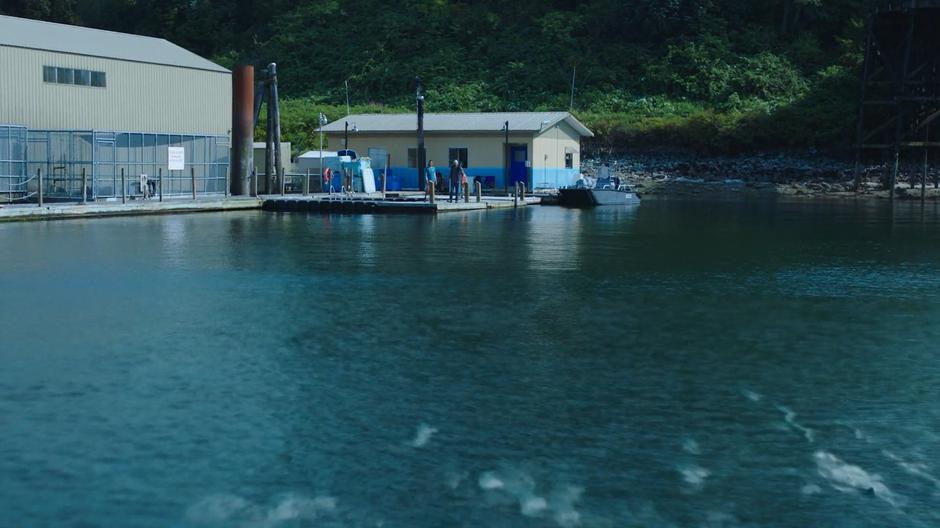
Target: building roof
x=75 y=40
x=533 y=122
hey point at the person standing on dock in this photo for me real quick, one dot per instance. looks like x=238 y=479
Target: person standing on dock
x=430 y=178
x=455 y=174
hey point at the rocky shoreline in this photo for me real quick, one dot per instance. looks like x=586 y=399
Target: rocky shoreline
x=787 y=175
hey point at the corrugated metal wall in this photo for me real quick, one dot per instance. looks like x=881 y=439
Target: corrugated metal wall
x=139 y=97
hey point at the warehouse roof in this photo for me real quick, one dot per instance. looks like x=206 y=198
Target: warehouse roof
x=534 y=122
x=61 y=38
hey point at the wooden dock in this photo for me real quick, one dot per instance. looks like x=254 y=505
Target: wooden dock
x=413 y=203
x=377 y=204
x=55 y=211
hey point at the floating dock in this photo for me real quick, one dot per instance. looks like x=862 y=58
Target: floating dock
x=55 y=211
x=377 y=204
x=315 y=203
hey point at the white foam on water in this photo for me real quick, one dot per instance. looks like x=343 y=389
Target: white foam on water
x=847 y=477
x=296 y=507
x=533 y=506
x=228 y=510
x=454 y=479
x=220 y=508
x=914 y=468
x=810 y=489
x=489 y=481
x=790 y=417
x=423 y=435
x=694 y=474
x=562 y=502
x=751 y=395
x=691 y=447
x=520 y=487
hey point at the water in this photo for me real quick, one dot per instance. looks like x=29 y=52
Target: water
x=678 y=365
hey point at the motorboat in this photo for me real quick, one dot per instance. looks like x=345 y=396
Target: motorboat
x=589 y=192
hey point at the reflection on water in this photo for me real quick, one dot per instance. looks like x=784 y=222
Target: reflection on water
x=673 y=364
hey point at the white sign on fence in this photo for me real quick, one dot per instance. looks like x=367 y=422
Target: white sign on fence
x=177 y=158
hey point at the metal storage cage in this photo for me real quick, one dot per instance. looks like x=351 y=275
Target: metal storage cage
x=64 y=156
x=13 y=173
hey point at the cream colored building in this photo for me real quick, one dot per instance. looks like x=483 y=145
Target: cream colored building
x=66 y=77
x=98 y=104
x=544 y=148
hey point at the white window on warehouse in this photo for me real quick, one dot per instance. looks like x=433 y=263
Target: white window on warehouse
x=460 y=154
x=73 y=76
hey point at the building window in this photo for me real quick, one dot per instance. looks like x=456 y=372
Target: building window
x=52 y=74
x=412 y=158
x=569 y=160
x=83 y=77
x=459 y=154
x=64 y=76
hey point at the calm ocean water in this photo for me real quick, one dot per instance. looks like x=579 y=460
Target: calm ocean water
x=678 y=364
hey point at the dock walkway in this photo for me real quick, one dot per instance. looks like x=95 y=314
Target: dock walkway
x=53 y=211
x=322 y=203
x=375 y=203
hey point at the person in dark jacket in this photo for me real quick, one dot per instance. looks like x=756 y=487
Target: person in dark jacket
x=455 y=174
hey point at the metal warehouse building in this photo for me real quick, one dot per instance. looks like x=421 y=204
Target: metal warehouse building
x=77 y=99
x=544 y=148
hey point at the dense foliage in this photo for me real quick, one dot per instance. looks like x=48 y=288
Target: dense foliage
x=718 y=75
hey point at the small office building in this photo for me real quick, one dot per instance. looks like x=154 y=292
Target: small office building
x=544 y=148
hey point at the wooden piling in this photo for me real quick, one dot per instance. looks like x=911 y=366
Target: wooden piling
x=39 y=177
x=192 y=177
x=479 y=190
x=123 y=187
x=160 y=183
x=431 y=191
x=466 y=192
x=84 y=187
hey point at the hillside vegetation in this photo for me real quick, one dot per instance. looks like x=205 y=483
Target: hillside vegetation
x=710 y=75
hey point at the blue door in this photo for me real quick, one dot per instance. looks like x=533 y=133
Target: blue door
x=518 y=172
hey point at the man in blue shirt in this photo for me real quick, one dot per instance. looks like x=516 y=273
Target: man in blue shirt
x=430 y=178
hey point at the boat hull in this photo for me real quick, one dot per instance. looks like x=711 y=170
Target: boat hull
x=597 y=197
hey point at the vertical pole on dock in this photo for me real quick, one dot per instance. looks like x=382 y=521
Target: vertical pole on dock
x=466 y=192
x=479 y=190
x=431 y=191
x=515 y=195
x=388 y=161
x=160 y=183
x=506 y=158
x=192 y=177
x=39 y=177
x=123 y=187
x=243 y=100
x=894 y=168
x=280 y=180
x=254 y=182
x=522 y=190
x=923 y=178
x=84 y=187
x=278 y=162
x=422 y=156
x=307 y=183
